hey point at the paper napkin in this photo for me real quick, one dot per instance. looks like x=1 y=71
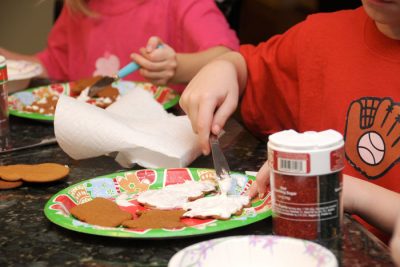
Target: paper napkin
x=136 y=127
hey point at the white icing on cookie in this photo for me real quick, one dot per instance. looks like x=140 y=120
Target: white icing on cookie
x=219 y=206
x=174 y=196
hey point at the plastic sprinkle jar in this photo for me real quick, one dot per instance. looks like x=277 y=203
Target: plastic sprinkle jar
x=306 y=183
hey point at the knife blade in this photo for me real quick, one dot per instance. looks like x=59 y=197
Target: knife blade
x=226 y=183
x=46 y=141
x=108 y=80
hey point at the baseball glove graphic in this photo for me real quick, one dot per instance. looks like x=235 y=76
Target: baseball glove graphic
x=372 y=135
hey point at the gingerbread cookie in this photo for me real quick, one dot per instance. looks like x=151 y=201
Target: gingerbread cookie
x=173 y=196
x=218 y=206
x=9 y=185
x=100 y=211
x=168 y=219
x=78 y=86
x=36 y=173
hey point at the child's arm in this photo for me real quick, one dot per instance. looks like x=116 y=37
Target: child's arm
x=213 y=95
x=395 y=243
x=377 y=205
x=17 y=56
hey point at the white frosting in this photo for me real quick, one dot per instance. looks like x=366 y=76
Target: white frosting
x=174 y=196
x=221 y=206
x=84 y=95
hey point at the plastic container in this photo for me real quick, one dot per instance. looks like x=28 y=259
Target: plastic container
x=306 y=183
x=4 y=124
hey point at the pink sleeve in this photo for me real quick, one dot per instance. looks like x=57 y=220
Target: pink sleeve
x=204 y=25
x=55 y=56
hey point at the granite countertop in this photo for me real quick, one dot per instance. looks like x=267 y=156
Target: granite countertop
x=28 y=238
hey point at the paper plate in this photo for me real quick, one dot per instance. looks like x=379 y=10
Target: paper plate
x=16 y=102
x=123 y=188
x=257 y=250
x=21 y=69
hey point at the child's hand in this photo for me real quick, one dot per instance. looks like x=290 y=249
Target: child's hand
x=395 y=243
x=210 y=98
x=260 y=187
x=158 y=64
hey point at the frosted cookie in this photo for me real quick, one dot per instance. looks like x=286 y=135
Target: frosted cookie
x=218 y=206
x=9 y=185
x=156 y=219
x=173 y=196
x=100 y=211
x=37 y=173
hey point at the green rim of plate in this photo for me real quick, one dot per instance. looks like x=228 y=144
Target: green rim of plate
x=109 y=187
x=37 y=116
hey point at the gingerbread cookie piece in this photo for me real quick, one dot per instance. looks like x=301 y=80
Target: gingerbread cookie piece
x=173 y=196
x=100 y=211
x=9 y=185
x=168 y=219
x=36 y=173
x=218 y=206
x=80 y=85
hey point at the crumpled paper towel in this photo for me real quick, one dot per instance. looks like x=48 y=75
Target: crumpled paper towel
x=136 y=127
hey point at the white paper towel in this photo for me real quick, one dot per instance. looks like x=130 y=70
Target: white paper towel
x=136 y=126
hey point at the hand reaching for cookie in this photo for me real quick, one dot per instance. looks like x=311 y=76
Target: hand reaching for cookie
x=373 y=135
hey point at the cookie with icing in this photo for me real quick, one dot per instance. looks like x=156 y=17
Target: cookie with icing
x=218 y=206
x=173 y=196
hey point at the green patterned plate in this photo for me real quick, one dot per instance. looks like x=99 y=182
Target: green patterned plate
x=17 y=101
x=124 y=187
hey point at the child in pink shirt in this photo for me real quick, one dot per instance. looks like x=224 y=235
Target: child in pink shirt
x=97 y=37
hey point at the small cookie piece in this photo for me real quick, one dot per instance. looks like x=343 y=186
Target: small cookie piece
x=36 y=173
x=100 y=211
x=78 y=86
x=9 y=185
x=168 y=219
x=218 y=206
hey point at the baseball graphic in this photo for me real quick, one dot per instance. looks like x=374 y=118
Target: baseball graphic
x=371 y=148
x=372 y=135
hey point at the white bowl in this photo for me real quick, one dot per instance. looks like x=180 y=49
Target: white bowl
x=20 y=73
x=257 y=250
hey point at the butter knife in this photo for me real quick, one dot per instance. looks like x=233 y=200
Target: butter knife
x=43 y=142
x=226 y=183
x=108 y=80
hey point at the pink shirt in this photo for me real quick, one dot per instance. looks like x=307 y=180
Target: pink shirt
x=80 y=47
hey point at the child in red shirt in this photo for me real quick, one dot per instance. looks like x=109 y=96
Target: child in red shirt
x=332 y=71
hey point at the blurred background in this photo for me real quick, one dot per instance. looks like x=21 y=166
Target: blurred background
x=25 y=24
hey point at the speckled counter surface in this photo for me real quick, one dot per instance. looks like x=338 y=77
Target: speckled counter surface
x=28 y=238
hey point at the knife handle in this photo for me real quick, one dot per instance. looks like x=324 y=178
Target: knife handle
x=131 y=67
x=128 y=69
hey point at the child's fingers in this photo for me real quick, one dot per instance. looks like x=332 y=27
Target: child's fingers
x=152 y=44
x=223 y=112
x=203 y=123
x=262 y=179
x=395 y=243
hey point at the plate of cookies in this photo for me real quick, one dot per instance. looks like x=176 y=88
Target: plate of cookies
x=155 y=203
x=39 y=103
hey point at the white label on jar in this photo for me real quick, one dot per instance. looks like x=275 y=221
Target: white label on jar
x=307 y=212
